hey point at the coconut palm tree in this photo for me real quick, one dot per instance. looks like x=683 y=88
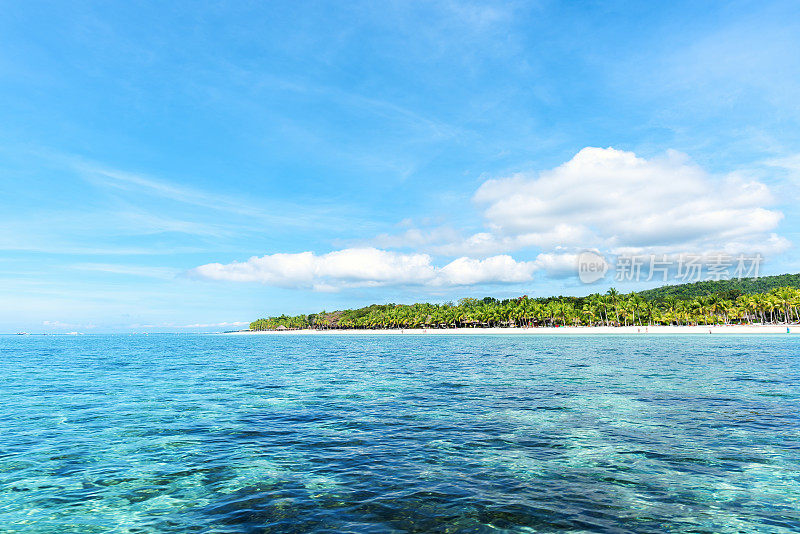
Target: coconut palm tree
x=613 y=296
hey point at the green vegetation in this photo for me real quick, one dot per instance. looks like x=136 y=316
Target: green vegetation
x=724 y=302
x=731 y=289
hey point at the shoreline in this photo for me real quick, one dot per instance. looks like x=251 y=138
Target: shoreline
x=563 y=330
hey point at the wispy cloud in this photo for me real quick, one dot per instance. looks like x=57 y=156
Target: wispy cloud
x=789 y=163
x=231 y=324
x=139 y=214
x=215 y=325
x=163 y=273
x=59 y=325
x=100 y=232
x=273 y=212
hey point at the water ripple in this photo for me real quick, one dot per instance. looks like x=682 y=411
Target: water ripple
x=366 y=434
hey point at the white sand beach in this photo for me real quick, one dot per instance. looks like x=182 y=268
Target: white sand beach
x=565 y=330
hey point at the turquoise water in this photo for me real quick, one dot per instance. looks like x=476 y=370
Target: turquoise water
x=193 y=433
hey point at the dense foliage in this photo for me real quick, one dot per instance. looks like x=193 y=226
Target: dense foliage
x=731 y=289
x=729 y=306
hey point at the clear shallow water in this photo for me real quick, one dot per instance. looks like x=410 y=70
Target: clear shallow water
x=392 y=434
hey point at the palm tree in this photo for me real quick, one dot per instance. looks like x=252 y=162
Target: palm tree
x=613 y=298
x=783 y=298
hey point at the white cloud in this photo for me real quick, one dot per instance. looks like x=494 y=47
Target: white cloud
x=366 y=267
x=558 y=264
x=606 y=200
x=615 y=200
x=468 y=271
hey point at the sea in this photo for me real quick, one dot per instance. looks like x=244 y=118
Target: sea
x=392 y=433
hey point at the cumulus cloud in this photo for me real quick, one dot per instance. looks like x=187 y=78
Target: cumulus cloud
x=615 y=200
x=610 y=201
x=557 y=264
x=467 y=271
x=366 y=267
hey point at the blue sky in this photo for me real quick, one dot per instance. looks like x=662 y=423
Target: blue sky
x=378 y=152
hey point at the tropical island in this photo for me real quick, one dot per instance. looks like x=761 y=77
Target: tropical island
x=771 y=300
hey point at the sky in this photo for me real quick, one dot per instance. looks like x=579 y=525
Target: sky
x=193 y=166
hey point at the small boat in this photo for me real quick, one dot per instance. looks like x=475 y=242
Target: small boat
x=23 y=334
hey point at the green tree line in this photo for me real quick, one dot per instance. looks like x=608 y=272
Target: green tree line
x=779 y=305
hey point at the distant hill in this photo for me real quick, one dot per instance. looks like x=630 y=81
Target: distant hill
x=728 y=288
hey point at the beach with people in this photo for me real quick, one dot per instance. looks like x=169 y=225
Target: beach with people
x=738 y=329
